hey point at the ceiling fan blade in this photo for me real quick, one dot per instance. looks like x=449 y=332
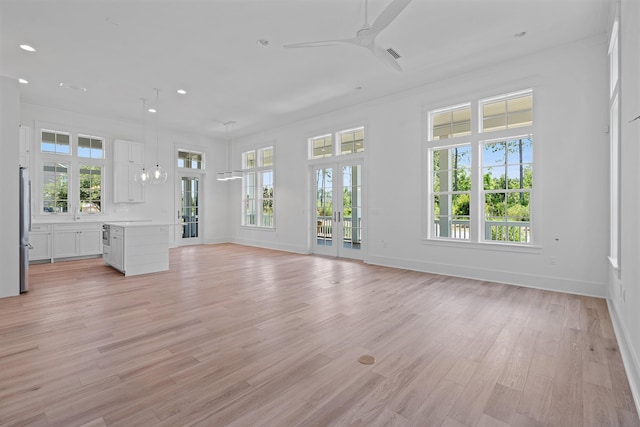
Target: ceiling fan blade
x=388 y=15
x=320 y=43
x=386 y=57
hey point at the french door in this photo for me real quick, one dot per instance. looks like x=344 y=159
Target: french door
x=337 y=221
x=188 y=201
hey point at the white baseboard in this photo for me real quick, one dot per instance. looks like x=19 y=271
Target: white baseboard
x=217 y=240
x=629 y=358
x=271 y=245
x=557 y=284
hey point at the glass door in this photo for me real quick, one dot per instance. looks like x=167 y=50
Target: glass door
x=188 y=231
x=337 y=223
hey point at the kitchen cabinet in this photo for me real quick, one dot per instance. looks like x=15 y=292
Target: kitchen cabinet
x=128 y=159
x=115 y=251
x=138 y=247
x=76 y=240
x=40 y=241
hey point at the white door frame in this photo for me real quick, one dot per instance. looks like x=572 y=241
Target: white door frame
x=178 y=228
x=334 y=226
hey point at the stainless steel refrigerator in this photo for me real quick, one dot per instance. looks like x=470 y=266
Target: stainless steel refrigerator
x=25 y=227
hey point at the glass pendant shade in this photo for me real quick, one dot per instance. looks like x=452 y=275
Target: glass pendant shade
x=142 y=176
x=157 y=175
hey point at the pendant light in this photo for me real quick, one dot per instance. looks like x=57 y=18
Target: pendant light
x=142 y=176
x=229 y=174
x=157 y=174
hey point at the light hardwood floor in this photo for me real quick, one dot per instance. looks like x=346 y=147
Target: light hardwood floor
x=240 y=336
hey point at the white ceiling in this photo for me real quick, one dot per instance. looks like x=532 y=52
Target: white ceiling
x=121 y=49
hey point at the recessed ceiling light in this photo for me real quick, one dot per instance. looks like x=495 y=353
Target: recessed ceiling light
x=182 y=91
x=27 y=48
x=520 y=34
x=23 y=81
x=73 y=87
x=263 y=42
x=152 y=110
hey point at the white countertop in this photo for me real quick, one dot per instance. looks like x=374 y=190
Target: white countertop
x=127 y=224
x=85 y=220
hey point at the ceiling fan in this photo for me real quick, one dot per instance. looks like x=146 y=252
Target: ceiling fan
x=366 y=35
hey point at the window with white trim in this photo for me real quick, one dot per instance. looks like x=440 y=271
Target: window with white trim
x=190 y=159
x=480 y=178
x=258 y=188
x=91 y=147
x=506 y=112
x=72 y=173
x=507 y=166
x=55 y=142
x=90 y=189
x=451 y=194
x=55 y=187
x=341 y=143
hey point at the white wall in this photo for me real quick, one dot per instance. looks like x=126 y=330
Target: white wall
x=625 y=310
x=571 y=177
x=160 y=202
x=9 y=221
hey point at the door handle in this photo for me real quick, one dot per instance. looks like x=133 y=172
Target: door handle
x=339 y=220
x=334 y=215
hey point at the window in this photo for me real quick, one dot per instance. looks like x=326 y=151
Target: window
x=451 y=191
x=451 y=122
x=321 y=146
x=258 y=188
x=72 y=174
x=265 y=157
x=90 y=147
x=55 y=142
x=266 y=198
x=350 y=141
x=507 y=112
x=190 y=160
x=249 y=160
x=507 y=182
x=55 y=187
x=90 y=184
x=480 y=189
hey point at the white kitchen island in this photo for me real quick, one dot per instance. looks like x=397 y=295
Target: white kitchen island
x=137 y=247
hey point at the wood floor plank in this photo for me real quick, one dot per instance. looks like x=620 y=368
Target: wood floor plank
x=502 y=403
x=535 y=401
x=598 y=406
x=236 y=335
x=567 y=394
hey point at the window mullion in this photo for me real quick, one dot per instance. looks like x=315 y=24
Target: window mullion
x=475 y=198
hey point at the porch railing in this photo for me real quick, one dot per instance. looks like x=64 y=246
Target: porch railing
x=510 y=231
x=325 y=228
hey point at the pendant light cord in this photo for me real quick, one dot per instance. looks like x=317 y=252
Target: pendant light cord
x=157 y=129
x=144 y=108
